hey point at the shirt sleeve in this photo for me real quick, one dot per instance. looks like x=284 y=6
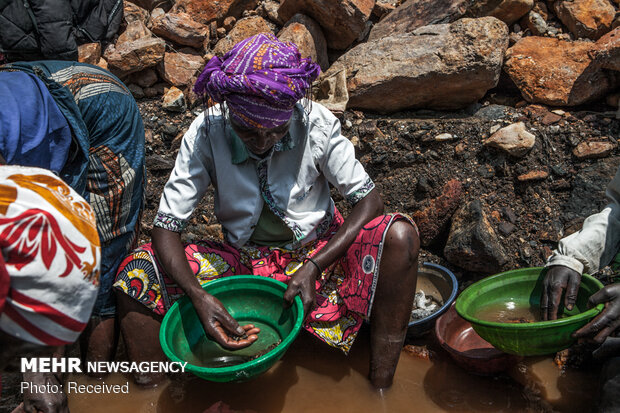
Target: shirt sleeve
x=598 y=241
x=341 y=168
x=188 y=182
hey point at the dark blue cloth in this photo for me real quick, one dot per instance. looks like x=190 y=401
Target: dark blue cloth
x=33 y=130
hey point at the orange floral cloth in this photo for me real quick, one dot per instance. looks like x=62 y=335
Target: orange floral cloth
x=49 y=242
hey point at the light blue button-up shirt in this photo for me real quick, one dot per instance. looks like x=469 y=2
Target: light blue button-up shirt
x=293 y=180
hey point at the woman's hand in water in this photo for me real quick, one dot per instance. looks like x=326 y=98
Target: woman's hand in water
x=303 y=283
x=608 y=320
x=558 y=279
x=220 y=325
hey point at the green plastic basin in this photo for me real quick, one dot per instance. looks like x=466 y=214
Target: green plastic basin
x=522 y=289
x=248 y=299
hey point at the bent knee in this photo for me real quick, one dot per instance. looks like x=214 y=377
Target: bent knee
x=403 y=235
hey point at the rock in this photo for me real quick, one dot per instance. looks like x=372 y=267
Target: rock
x=444 y=137
x=153 y=4
x=444 y=66
x=382 y=9
x=102 y=63
x=514 y=139
x=159 y=163
x=550 y=118
x=556 y=72
x=330 y=90
x=144 y=79
x=506 y=228
x=174 y=100
x=206 y=11
x=134 y=31
x=606 y=51
x=593 y=150
x=89 y=53
x=157 y=13
x=417 y=13
x=270 y=10
x=533 y=176
x=432 y=221
x=586 y=18
x=179 y=68
x=342 y=21
x=135 y=55
x=536 y=23
x=155 y=90
x=473 y=244
x=308 y=36
x=244 y=28
x=136 y=91
x=133 y=12
x=229 y=23
x=181 y=29
x=508 y=11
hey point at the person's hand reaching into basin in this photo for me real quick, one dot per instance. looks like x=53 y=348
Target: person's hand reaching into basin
x=221 y=326
x=215 y=319
x=608 y=320
x=303 y=284
x=557 y=280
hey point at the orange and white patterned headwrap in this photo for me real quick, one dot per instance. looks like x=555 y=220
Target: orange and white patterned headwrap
x=51 y=252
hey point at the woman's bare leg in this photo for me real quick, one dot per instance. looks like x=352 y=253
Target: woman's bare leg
x=391 y=310
x=140 y=330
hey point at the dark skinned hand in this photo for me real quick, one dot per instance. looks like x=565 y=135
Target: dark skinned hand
x=558 y=279
x=46 y=402
x=608 y=320
x=219 y=325
x=303 y=283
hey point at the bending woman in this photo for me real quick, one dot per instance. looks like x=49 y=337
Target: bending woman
x=271 y=156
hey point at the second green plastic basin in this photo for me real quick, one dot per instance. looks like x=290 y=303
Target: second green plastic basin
x=523 y=287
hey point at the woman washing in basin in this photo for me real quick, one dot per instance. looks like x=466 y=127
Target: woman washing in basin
x=270 y=155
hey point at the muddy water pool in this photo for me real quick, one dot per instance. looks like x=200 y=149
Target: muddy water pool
x=312 y=377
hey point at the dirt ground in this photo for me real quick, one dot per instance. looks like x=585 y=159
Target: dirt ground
x=410 y=167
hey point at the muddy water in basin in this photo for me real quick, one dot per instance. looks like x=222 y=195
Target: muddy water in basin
x=312 y=377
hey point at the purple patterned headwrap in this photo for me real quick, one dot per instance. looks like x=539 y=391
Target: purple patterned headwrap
x=260 y=80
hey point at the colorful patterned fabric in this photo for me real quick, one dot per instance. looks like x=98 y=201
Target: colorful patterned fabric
x=345 y=290
x=48 y=237
x=107 y=168
x=260 y=79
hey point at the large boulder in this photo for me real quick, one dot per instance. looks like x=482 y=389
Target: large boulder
x=244 y=28
x=342 y=21
x=508 y=11
x=134 y=56
x=181 y=29
x=180 y=68
x=444 y=66
x=417 y=13
x=473 y=244
x=586 y=18
x=306 y=33
x=556 y=72
x=206 y=11
x=606 y=51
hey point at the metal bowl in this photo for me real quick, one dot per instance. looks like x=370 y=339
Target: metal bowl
x=440 y=283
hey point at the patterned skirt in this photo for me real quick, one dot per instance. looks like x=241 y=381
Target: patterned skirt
x=345 y=290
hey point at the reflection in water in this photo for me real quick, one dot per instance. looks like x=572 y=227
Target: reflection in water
x=315 y=378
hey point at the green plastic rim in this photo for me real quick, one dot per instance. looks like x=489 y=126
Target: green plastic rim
x=471 y=292
x=240 y=371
